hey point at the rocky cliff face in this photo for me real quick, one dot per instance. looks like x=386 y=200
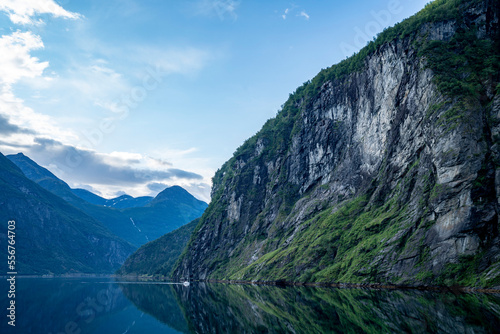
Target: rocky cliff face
x=384 y=168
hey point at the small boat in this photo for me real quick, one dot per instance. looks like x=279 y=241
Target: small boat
x=185 y=283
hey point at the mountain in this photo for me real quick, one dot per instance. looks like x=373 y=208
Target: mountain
x=132 y=222
x=127 y=201
x=159 y=256
x=84 y=194
x=52 y=236
x=43 y=177
x=382 y=169
x=173 y=206
x=121 y=202
x=117 y=222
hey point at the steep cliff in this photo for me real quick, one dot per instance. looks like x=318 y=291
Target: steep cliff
x=383 y=168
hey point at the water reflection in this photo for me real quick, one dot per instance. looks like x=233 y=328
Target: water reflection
x=64 y=306
x=220 y=308
x=97 y=305
x=160 y=301
x=76 y=306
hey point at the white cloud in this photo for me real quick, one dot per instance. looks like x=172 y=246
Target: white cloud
x=93 y=80
x=16 y=63
x=292 y=9
x=89 y=82
x=108 y=173
x=23 y=11
x=15 y=59
x=126 y=156
x=199 y=190
x=286 y=13
x=19 y=115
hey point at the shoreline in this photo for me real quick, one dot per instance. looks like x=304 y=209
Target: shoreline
x=371 y=286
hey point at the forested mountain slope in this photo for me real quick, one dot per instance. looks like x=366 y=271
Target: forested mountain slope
x=52 y=236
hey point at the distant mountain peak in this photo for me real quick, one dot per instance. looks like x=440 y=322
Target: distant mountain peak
x=125 y=196
x=62 y=238
x=172 y=208
x=173 y=193
x=31 y=169
x=173 y=190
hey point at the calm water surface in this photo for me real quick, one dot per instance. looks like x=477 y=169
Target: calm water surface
x=97 y=305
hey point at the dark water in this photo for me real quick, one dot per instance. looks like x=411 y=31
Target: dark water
x=97 y=305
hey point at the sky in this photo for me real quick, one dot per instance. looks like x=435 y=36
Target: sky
x=133 y=96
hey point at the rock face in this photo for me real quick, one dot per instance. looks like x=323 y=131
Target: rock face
x=384 y=168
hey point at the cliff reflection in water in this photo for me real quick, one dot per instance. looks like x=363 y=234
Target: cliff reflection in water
x=220 y=308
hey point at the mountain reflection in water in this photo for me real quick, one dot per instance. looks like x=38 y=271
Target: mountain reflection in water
x=222 y=308
x=106 y=306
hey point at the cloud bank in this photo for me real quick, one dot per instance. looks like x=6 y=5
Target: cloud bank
x=87 y=166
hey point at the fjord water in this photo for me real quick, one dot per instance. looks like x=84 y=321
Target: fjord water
x=104 y=305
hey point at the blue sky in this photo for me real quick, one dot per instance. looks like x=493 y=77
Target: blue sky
x=132 y=96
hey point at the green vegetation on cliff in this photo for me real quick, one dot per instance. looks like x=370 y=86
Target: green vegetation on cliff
x=418 y=204
x=461 y=67
x=157 y=258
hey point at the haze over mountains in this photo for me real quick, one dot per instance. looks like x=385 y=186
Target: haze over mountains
x=121 y=202
x=137 y=220
x=43 y=205
x=53 y=236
